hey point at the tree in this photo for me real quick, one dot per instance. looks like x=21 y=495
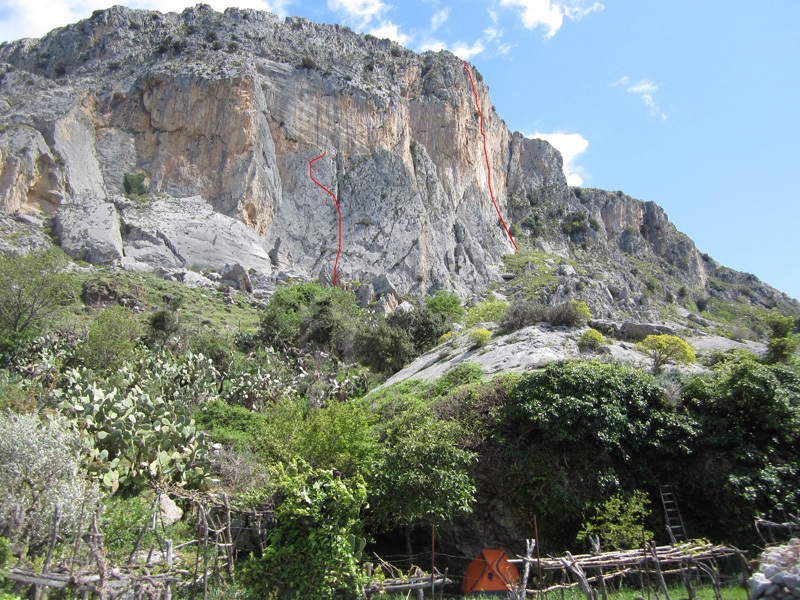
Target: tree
x=782 y=343
x=32 y=290
x=666 y=349
x=420 y=475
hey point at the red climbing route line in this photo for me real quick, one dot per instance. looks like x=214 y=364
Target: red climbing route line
x=338 y=212
x=486 y=154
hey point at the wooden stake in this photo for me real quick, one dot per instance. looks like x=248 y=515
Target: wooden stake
x=658 y=569
x=538 y=555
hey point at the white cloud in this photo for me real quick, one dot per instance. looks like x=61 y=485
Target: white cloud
x=362 y=11
x=439 y=18
x=434 y=45
x=387 y=29
x=492 y=33
x=570 y=145
x=35 y=18
x=645 y=89
x=550 y=14
x=461 y=50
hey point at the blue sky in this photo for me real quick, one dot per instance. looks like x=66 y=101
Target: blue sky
x=690 y=104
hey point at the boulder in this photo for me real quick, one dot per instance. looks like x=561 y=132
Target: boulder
x=639 y=331
x=236 y=277
x=381 y=285
x=88 y=229
x=170 y=512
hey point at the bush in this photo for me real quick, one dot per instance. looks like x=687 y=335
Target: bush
x=524 y=313
x=315 y=544
x=463 y=374
x=446 y=304
x=782 y=343
x=423 y=325
x=620 y=523
x=163 y=324
x=569 y=314
x=308 y=63
x=111 y=340
x=490 y=310
x=447 y=336
x=591 y=340
x=134 y=183
x=575 y=223
x=479 y=337
x=40 y=469
x=310 y=313
x=32 y=291
x=384 y=348
x=666 y=349
x=578 y=432
x=582 y=309
x=420 y=474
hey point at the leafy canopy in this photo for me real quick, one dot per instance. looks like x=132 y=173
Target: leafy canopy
x=32 y=290
x=666 y=349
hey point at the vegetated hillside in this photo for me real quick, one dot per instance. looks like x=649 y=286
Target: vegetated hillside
x=200 y=362
x=118 y=386
x=183 y=140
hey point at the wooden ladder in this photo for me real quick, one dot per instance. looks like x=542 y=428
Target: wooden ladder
x=675 y=526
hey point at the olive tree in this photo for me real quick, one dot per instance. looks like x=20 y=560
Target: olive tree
x=40 y=472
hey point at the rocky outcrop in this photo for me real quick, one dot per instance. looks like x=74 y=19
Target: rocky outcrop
x=221 y=114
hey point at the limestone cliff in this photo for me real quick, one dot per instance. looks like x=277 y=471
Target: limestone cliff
x=222 y=114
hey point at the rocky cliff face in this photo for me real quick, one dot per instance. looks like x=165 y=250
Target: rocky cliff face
x=222 y=114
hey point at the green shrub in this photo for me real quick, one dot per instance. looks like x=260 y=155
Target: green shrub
x=447 y=304
x=384 y=348
x=127 y=520
x=619 y=523
x=782 y=343
x=308 y=63
x=133 y=183
x=32 y=292
x=423 y=325
x=479 y=337
x=575 y=223
x=447 y=336
x=490 y=310
x=315 y=544
x=310 y=313
x=163 y=324
x=582 y=309
x=578 y=432
x=666 y=349
x=462 y=374
x=524 y=313
x=591 y=340
x=420 y=473
x=111 y=339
